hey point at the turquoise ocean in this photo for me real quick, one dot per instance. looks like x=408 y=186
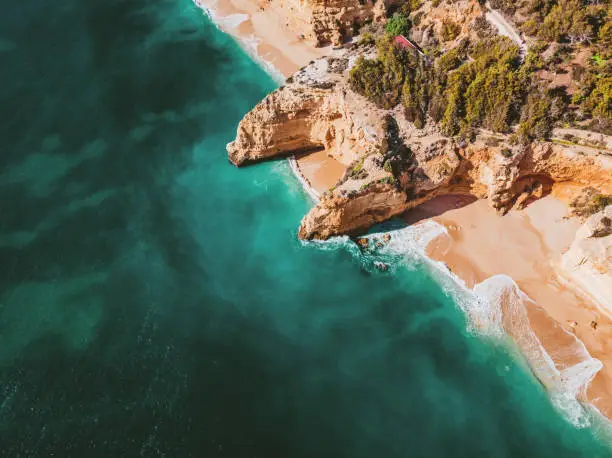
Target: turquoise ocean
x=155 y=301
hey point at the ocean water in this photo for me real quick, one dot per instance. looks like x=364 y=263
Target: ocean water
x=155 y=302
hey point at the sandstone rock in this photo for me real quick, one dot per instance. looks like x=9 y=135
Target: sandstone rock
x=589 y=259
x=315 y=111
x=600 y=224
x=362 y=242
x=345 y=215
x=391 y=165
x=327 y=21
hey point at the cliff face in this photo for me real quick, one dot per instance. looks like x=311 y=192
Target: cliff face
x=391 y=165
x=327 y=21
x=589 y=259
x=313 y=111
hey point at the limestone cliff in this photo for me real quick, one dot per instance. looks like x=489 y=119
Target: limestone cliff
x=322 y=22
x=391 y=165
x=589 y=259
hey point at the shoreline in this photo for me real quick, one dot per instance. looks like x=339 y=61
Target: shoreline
x=306 y=186
x=498 y=308
x=557 y=312
x=545 y=314
x=262 y=35
x=562 y=349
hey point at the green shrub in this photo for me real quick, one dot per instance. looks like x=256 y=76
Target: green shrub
x=367 y=39
x=381 y=79
x=589 y=202
x=410 y=6
x=599 y=202
x=507 y=6
x=399 y=24
x=388 y=180
x=388 y=167
x=450 y=60
x=599 y=101
x=535 y=118
x=450 y=30
x=567 y=20
x=366 y=78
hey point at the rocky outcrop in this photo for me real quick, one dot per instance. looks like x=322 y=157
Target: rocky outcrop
x=589 y=259
x=314 y=110
x=391 y=165
x=344 y=214
x=445 y=22
x=321 y=22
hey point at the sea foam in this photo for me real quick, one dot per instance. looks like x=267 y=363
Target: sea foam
x=495 y=308
x=249 y=44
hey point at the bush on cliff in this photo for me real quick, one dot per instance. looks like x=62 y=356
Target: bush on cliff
x=485 y=91
x=399 y=24
x=535 y=118
x=381 y=79
x=486 y=85
x=589 y=202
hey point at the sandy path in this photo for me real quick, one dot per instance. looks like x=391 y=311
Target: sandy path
x=505 y=28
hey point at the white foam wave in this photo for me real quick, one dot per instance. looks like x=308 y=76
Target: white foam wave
x=232 y=21
x=249 y=44
x=496 y=308
x=314 y=195
x=508 y=315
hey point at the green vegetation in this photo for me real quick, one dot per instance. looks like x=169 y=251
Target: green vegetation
x=486 y=91
x=381 y=79
x=356 y=171
x=591 y=201
x=450 y=30
x=580 y=27
x=568 y=20
x=600 y=201
x=535 y=117
x=398 y=24
x=486 y=84
x=367 y=39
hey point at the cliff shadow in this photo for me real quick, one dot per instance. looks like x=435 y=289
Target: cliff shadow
x=436 y=206
x=529 y=188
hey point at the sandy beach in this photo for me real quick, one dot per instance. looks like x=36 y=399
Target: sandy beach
x=527 y=246
x=260 y=30
x=320 y=170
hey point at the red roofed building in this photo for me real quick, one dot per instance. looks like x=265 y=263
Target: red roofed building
x=404 y=43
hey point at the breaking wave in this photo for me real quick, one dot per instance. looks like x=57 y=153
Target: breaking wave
x=495 y=308
x=248 y=44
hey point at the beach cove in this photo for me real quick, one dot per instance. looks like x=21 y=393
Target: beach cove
x=565 y=330
x=155 y=300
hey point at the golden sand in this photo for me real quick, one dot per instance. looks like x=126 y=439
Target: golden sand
x=276 y=43
x=320 y=170
x=527 y=246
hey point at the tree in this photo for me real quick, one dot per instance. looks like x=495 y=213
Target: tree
x=535 y=119
x=567 y=20
x=399 y=24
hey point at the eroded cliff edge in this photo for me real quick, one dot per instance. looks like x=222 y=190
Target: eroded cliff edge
x=392 y=165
